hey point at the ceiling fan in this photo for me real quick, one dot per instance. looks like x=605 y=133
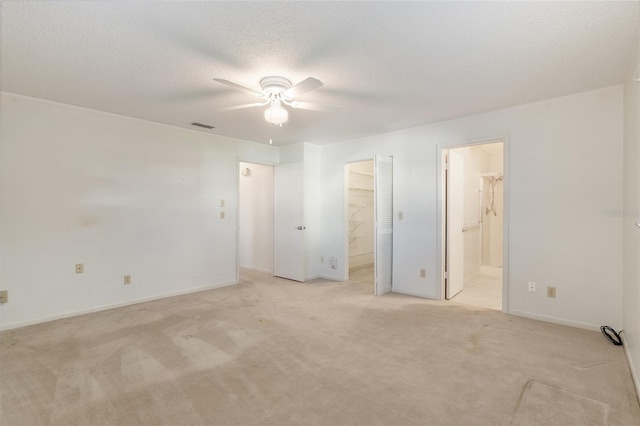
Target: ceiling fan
x=276 y=92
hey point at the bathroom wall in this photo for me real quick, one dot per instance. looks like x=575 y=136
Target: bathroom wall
x=492 y=233
x=476 y=162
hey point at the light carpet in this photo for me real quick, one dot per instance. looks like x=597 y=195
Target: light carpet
x=275 y=352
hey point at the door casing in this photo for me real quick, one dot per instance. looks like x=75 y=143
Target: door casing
x=441 y=210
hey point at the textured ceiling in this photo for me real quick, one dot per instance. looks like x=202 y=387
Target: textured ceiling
x=390 y=65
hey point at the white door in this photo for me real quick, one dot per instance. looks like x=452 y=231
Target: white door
x=289 y=258
x=455 y=223
x=383 y=217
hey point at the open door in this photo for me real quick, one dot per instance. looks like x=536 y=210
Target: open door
x=383 y=218
x=455 y=224
x=289 y=255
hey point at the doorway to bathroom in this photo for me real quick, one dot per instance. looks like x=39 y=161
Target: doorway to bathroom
x=474 y=224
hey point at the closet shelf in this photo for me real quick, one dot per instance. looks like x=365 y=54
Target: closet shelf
x=353 y=172
x=357 y=224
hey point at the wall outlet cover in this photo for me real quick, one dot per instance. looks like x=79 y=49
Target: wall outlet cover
x=551 y=292
x=79 y=268
x=4 y=296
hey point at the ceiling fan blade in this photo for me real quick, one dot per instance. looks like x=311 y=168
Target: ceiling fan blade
x=303 y=87
x=239 y=87
x=314 y=107
x=235 y=107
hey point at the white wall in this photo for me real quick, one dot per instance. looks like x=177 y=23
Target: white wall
x=495 y=222
x=631 y=215
x=564 y=159
x=256 y=217
x=123 y=196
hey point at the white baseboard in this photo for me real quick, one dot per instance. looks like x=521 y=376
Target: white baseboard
x=554 y=320
x=491 y=271
x=251 y=268
x=332 y=277
x=18 y=324
x=632 y=369
x=471 y=277
x=413 y=293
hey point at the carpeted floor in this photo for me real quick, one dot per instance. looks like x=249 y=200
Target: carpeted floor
x=276 y=352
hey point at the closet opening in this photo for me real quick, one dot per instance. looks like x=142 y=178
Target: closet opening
x=360 y=218
x=255 y=217
x=474 y=224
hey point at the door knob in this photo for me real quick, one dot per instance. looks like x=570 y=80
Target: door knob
x=302 y=227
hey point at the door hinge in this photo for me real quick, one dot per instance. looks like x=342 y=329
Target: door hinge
x=446 y=275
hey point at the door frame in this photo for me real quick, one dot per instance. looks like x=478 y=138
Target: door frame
x=250 y=161
x=441 y=209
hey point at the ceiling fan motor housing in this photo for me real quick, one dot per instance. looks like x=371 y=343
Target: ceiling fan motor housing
x=274 y=85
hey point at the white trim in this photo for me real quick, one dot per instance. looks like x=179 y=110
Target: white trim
x=491 y=271
x=413 y=294
x=554 y=320
x=251 y=268
x=440 y=223
x=106 y=307
x=332 y=278
x=634 y=374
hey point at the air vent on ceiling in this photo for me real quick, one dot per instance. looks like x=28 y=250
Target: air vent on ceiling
x=206 y=126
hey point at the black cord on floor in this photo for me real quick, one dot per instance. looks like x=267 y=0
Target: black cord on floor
x=615 y=338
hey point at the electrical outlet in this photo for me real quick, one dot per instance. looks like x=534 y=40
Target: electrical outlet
x=221 y=203
x=79 y=268
x=221 y=215
x=127 y=279
x=551 y=292
x=423 y=273
x=532 y=287
x=4 y=296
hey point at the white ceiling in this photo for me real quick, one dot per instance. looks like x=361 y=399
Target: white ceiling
x=390 y=65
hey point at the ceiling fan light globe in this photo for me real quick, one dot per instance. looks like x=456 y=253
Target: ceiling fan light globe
x=276 y=115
